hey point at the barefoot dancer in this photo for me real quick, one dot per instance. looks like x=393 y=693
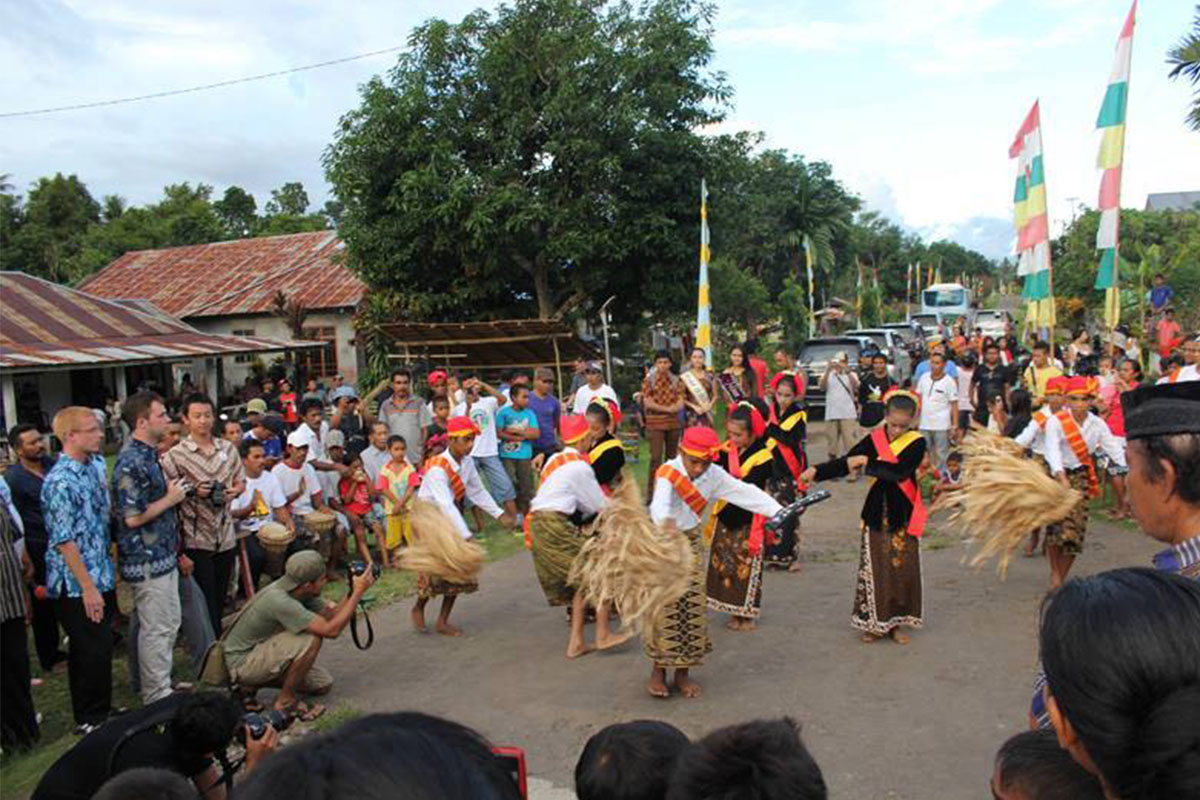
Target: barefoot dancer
x=735 y=564
x=1033 y=438
x=888 y=594
x=683 y=488
x=568 y=487
x=449 y=479
x=785 y=438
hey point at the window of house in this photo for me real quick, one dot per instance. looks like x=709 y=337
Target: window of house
x=244 y=358
x=320 y=362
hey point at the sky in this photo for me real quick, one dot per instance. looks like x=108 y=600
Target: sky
x=913 y=102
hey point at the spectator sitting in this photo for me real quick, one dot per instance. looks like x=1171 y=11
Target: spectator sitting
x=277 y=638
x=629 y=761
x=1122 y=665
x=182 y=733
x=261 y=431
x=949 y=476
x=301 y=486
x=384 y=757
x=230 y=430
x=764 y=759
x=1031 y=766
x=263 y=501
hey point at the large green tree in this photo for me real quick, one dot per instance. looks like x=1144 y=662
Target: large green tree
x=520 y=161
x=45 y=234
x=1184 y=59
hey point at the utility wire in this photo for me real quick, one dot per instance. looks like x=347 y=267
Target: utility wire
x=205 y=87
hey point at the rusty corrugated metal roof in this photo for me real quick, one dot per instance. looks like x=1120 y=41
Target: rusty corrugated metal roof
x=235 y=277
x=45 y=325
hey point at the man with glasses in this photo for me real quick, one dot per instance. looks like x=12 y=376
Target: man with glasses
x=79 y=572
x=548 y=410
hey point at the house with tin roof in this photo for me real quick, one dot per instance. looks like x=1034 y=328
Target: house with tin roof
x=230 y=288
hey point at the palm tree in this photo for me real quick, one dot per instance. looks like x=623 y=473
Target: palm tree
x=1185 y=58
x=5 y=184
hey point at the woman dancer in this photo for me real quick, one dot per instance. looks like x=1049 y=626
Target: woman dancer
x=785 y=438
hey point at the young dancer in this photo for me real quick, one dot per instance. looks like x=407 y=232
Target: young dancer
x=605 y=452
x=1033 y=438
x=785 y=437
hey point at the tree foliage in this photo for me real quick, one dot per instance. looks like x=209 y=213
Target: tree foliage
x=1184 y=59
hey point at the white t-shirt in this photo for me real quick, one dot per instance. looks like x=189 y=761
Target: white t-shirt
x=316 y=443
x=964 y=389
x=585 y=393
x=483 y=414
x=840 y=390
x=264 y=495
x=289 y=481
x=936 y=397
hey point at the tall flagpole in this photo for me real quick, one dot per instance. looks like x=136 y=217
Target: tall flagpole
x=703 y=309
x=812 y=309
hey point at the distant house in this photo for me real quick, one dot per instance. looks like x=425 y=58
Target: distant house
x=1173 y=201
x=230 y=288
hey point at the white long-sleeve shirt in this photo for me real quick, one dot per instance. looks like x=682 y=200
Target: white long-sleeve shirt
x=569 y=488
x=435 y=486
x=1096 y=435
x=714 y=484
x=1033 y=437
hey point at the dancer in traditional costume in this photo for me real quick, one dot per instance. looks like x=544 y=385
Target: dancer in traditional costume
x=785 y=437
x=448 y=480
x=1072 y=436
x=683 y=488
x=735 y=563
x=568 y=488
x=888 y=592
x=1033 y=438
x=605 y=452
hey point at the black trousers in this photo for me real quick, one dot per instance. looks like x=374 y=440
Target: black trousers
x=211 y=571
x=89 y=658
x=45 y=619
x=18 y=725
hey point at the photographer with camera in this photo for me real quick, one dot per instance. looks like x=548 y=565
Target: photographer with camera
x=213 y=472
x=277 y=637
x=187 y=734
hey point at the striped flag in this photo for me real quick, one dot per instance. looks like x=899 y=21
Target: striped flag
x=1031 y=220
x=703 y=317
x=809 y=259
x=1112 y=152
x=858 y=292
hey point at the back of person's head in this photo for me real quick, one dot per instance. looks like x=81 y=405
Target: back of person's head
x=1122 y=660
x=1033 y=766
x=629 y=761
x=147 y=783
x=402 y=756
x=205 y=722
x=763 y=759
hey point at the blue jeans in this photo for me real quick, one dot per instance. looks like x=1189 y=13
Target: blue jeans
x=498 y=484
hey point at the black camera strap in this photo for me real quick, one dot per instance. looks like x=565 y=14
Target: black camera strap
x=354 y=628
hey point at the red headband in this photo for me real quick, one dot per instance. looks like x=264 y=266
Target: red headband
x=461 y=426
x=758 y=426
x=573 y=428
x=700 y=442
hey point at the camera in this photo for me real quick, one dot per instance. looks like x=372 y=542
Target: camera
x=216 y=497
x=357 y=568
x=256 y=723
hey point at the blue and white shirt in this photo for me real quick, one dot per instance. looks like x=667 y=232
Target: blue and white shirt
x=75 y=507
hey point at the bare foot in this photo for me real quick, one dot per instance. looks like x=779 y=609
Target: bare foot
x=615 y=640
x=657 y=687
x=446 y=629
x=740 y=624
x=686 y=686
x=795 y=566
x=870 y=638
x=899 y=636
x=418 y=621
x=577 y=649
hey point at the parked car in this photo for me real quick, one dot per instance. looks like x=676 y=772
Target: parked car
x=814 y=357
x=929 y=323
x=892 y=345
x=993 y=322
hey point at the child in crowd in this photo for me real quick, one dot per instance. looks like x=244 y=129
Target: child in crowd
x=949 y=475
x=441 y=413
x=629 y=761
x=1032 y=765
x=397 y=481
x=517 y=428
x=356 y=496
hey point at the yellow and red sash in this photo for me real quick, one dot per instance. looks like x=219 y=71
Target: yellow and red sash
x=789 y=455
x=738 y=468
x=456 y=482
x=1079 y=447
x=1174 y=376
x=683 y=487
x=557 y=460
x=1040 y=418
x=889 y=453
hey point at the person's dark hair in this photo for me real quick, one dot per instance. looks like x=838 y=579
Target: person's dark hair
x=17 y=431
x=205 y=722
x=396 y=438
x=662 y=354
x=742 y=415
x=1034 y=764
x=1182 y=452
x=954 y=456
x=880 y=355
x=790 y=380
x=968 y=359
x=990 y=344
x=383 y=757
x=1040 y=345
x=439 y=400
x=193 y=399
x=401 y=373
x=137 y=406
x=1137 y=368
x=750 y=348
x=763 y=759
x=1160 y=275
x=904 y=403
x=1020 y=412
x=249 y=444
x=517 y=388
x=309 y=404
x=629 y=761
x=1122 y=663
x=600 y=412
x=146 y=783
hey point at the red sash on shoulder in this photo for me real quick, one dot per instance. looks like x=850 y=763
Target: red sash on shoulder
x=1040 y=418
x=683 y=487
x=557 y=460
x=889 y=453
x=456 y=483
x=1079 y=447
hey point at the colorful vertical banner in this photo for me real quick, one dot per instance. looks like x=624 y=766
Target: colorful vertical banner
x=858 y=292
x=908 y=289
x=1112 y=154
x=809 y=259
x=1032 y=221
x=703 y=308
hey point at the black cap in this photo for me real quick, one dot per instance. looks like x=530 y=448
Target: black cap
x=1162 y=410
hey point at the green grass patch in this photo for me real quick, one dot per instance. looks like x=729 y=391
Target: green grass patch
x=335 y=718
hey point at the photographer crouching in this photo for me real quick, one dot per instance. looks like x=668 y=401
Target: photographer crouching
x=275 y=640
x=185 y=734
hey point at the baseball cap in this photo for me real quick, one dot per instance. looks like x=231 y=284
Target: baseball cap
x=297 y=438
x=335 y=438
x=343 y=391
x=592 y=366
x=256 y=406
x=302 y=567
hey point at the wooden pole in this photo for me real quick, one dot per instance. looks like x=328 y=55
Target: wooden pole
x=557 y=366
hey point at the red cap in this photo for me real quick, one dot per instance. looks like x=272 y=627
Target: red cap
x=700 y=442
x=1057 y=385
x=461 y=426
x=1080 y=386
x=437 y=377
x=573 y=428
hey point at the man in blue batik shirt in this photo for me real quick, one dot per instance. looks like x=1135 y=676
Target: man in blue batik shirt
x=79 y=572
x=148 y=540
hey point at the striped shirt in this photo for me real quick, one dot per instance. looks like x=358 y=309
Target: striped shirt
x=12 y=592
x=204 y=526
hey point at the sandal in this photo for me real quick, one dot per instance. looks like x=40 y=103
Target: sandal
x=250 y=702
x=303 y=712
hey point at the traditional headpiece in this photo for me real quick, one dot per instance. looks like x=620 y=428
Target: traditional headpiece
x=458 y=427
x=898 y=392
x=609 y=405
x=1162 y=410
x=573 y=428
x=1056 y=385
x=1080 y=386
x=437 y=377
x=758 y=426
x=700 y=442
